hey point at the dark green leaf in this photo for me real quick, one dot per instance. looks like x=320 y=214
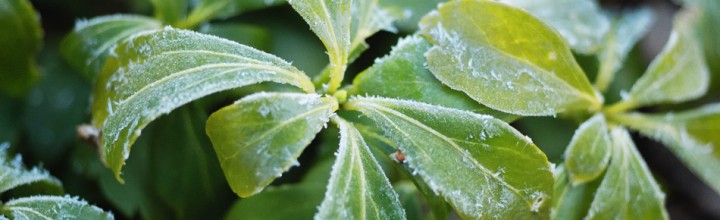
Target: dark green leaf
x=692 y=135
x=154 y=73
x=297 y=201
x=358 y=188
x=89 y=44
x=403 y=75
x=211 y=9
x=505 y=59
x=628 y=190
x=260 y=137
x=20 y=41
x=52 y=207
x=245 y=34
x=502 y=174
x=589 y=151
x=677 y=74
x=13 y=172
x=580 y=22
x=571 y=202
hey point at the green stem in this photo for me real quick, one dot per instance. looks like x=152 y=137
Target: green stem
x=619 y=107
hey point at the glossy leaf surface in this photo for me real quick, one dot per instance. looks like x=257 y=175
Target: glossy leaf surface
x=154 y=73
x=628 y=190
x=52 y=207
x=589 y=151
x=581 y=22
x=261 y=136
x=505 y=59
x=504 y=175
x=358 y=188
x=692 y=135
x=20 y=41
x=89 y=44
x=403 y=74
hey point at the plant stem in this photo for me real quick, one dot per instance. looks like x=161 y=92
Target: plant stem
x=621 y=106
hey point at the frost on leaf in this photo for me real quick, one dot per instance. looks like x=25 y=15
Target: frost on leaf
x=156 y=72
x=261 y=136
x=628 y=190
x=692 y=135
x=13 y=172
x=589 y=151
x=358 y=188
x=502 y=173
x=505 y=59
x=53 y=207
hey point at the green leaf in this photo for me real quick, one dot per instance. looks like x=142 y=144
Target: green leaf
x=581 y=22
x=628 y=190
x=403 y=75
x=677 y=74
x=409 y=196
x=589 y=151
x=89 y=44
x=412 y=12
x=211 y=9
x=52 y=207
x=331 y=21
x=14 y=174
x=358 y=188
x=490 y=50
x=154 y=73
x=170 y=11
x=298 y=201
x=626 y=30
x=483 y=167
x=571 y=202
x=692 y=135
x=368 y=17
x=20 y=42
x=260 y=137
x=245 y=34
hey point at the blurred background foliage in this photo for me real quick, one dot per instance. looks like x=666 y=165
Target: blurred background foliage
x=174 y=173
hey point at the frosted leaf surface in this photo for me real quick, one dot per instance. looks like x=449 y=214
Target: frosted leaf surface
x=403 y=74
x=502 y=173
x=358 y=188
x=156 y=72
x=580 y=22
x=52 y=207
x=13 y=173
x=87 y=47
x=679 y=73
x=261 y=136
x=625 y=33
x=331 y=21
x=628 y=190
x=571 y=202
x=692 y=135
x=505 y=59
x=589 y=151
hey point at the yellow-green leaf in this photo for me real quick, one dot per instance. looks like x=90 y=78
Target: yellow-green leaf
x=20 y=41
x=260 y=136
x=156 y=72
x=589 y=151
x=506 y=59
x=628 y=190
x=358 y=188
x=483 y=167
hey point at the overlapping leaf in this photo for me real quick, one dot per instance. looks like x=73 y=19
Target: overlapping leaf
x=571 y=202
x=87 y=47
x=156 y=72
x=677 y=74
x=628 y=190
x=52 y=207
x=403 y=74
x=358 y=188
x=691 y=135
x=589 y=151
x=505 y=59
x=580 y=22
x=13 y=173
x=260 y=137
x=20 y=41
x=502 y=174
